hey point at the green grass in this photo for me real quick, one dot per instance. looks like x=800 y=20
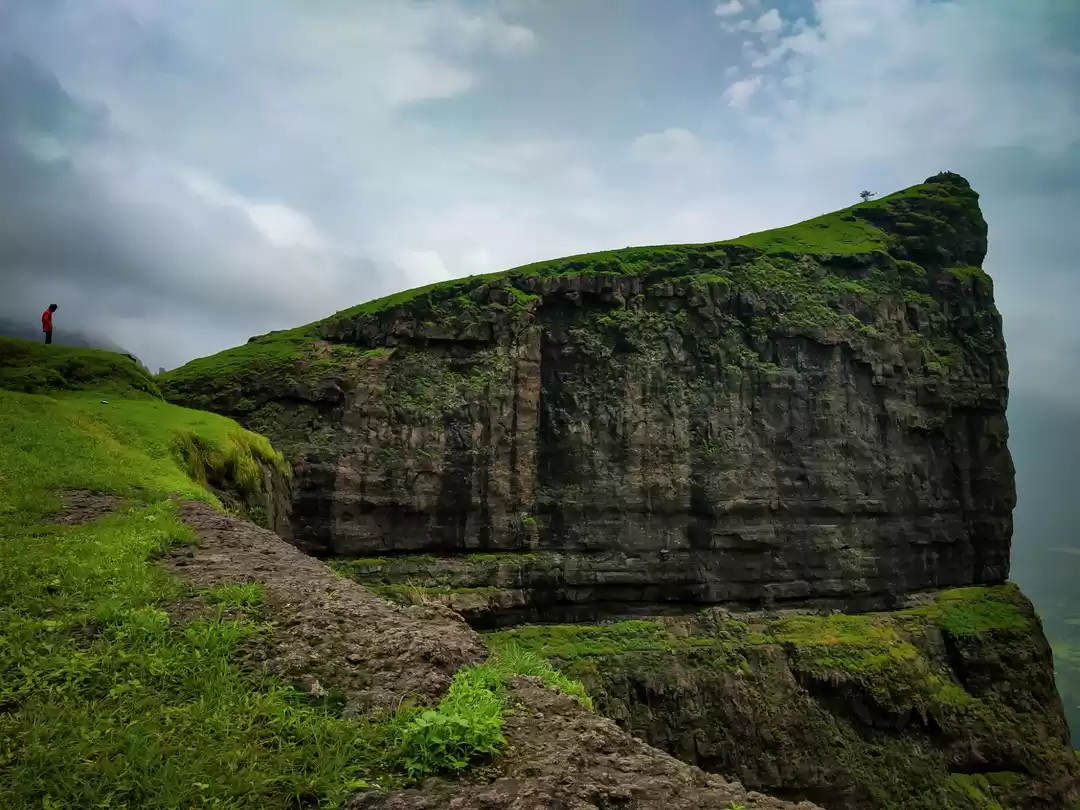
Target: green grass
x=469 y=720
x=105 y=700
x=841 y=233
x=972 y=791
x=968 y=273
x=36 y=368
x=796 y=295
x=288 y=357
x=514 y=660
x=878 y=650
x=975 y=611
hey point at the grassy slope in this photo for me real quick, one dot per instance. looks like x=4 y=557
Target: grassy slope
x=769 y=265
x=27 y=366
x=105 y=702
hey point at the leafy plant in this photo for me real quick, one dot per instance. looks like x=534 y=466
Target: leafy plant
x=466 y=725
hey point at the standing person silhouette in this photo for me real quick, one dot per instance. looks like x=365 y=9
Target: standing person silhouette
x=46 y=322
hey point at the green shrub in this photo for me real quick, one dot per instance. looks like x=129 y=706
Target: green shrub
x=466 y=725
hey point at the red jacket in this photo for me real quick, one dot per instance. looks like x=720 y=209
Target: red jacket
x=46 y=321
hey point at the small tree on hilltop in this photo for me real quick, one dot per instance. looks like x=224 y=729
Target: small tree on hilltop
x=866 y=195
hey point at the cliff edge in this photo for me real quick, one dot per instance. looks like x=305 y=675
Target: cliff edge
x=813 y=415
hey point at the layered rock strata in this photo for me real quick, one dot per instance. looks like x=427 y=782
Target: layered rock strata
x=814 y=415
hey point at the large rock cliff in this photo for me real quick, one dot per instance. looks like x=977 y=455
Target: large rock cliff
x=733 y=439
x=813 y=415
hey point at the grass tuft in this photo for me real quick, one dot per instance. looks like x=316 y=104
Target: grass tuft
x=248 y=595
x=466 y=725
x=515 y=660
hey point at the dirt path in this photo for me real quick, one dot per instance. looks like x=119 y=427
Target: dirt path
x=564 y=757
x=329 y=634
x=333 y=634
x=83 y=506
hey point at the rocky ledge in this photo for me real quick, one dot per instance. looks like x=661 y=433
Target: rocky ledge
x=948 y=704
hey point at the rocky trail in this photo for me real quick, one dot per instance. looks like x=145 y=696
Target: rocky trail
x=331 y=634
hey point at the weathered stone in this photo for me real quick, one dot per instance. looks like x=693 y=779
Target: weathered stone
x=800 y=428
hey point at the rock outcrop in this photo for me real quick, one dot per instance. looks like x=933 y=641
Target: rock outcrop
x=948 y=704
x=813 y=415
x=733 y=439
x=336 y=639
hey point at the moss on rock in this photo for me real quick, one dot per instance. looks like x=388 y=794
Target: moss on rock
x=802 y=279
x=948 y=705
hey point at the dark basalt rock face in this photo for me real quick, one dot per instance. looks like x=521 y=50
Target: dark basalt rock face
x=800 y=421
x=814 y=415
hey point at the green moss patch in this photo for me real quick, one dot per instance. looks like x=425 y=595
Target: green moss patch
x=881 y=706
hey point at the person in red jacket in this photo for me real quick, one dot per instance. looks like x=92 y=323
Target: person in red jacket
x=46 y=322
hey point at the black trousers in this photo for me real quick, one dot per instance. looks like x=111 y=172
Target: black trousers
x=48 y=337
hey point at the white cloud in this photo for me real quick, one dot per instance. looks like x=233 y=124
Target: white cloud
x=673 y=145
x=280 y=224
x=739 y=93
x=478 y=260
x=421 y=267
x=768 y=25
x=872 y=79
x=492 y=32
x=728 y=8
x=411 y=134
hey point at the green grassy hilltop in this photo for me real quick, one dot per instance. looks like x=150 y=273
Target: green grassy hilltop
x=936 y=225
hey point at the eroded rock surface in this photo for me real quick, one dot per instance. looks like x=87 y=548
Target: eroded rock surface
x=328 y=632
x=83 y=506
x=566 y=757
x=814 y=415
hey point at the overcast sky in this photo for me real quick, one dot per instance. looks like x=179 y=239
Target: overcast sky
x=182 y=174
